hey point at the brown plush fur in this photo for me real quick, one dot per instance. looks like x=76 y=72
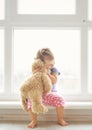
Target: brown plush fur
x=35 y=86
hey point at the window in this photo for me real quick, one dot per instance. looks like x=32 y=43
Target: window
x=46 y=7
x=1 y=60
x=90 y=62
x=2 y=3
x=90 y=9
x=25 y=49
x=64 y=26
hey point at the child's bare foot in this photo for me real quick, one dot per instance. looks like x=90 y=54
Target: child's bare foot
x=63 y=123
x=33 y=124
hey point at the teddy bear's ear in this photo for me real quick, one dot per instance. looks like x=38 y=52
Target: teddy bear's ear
x=37 y=65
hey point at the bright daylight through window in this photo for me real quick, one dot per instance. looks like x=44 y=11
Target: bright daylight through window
x=2 y=11
x=46 y=6
x=66 y=50
x=1 y=60
x=90 y=61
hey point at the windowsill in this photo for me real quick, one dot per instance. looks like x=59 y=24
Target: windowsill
x=69 y=105
x=74 y=111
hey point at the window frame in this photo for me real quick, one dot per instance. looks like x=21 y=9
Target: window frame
x=80 y=20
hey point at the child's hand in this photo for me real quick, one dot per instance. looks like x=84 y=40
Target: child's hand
x=53 y=78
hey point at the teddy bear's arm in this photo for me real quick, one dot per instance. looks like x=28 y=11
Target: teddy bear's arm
x=24 y=104
x=47 y=85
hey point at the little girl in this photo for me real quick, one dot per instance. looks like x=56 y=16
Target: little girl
x=53 y=98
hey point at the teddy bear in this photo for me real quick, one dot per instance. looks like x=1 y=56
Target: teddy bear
x=34 y=87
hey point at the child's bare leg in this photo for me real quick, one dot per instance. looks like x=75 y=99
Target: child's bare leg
x=60 y=113
x=33 y=122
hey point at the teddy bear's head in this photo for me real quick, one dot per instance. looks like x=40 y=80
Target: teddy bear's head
x=38 y=66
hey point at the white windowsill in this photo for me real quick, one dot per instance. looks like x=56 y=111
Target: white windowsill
x=69 y=105
x=75 y=111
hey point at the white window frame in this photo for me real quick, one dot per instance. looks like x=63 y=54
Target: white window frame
x=79 y=20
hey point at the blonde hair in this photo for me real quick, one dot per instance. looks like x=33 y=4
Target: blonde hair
x=44 y=53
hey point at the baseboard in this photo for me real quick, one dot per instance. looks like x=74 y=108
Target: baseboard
x=16 y=117
x=69 y=115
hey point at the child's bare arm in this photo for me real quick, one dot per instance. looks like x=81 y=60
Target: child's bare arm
x=53 y=77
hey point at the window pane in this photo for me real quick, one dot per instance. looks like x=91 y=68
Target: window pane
x=65 y=45
x=2 y=2
x=90 y=62
x=46 y=6
x=1 y=60
x=90 y=9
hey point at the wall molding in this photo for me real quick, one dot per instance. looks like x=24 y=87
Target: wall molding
x=69 y=115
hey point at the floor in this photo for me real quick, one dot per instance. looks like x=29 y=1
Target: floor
x=45 y=125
